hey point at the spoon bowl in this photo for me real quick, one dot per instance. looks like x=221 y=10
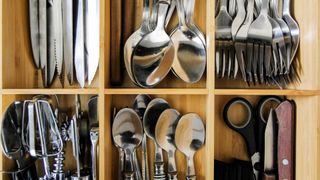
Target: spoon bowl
x=190 y=137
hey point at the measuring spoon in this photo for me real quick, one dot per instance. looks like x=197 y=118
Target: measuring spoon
x=190 y=53
x=150 y=119
x=165 y=132
x=190 y=136
x=153 y=56
x=127 y=134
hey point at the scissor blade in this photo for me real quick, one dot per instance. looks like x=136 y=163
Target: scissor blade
x=68 y=38
x=92 y=31
x=34 y=30
x=79 y=45
x=269 y=144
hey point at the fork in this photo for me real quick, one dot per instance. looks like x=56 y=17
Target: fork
x=224 y=38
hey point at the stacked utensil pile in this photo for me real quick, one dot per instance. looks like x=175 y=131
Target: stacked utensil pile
x=150 y=53
x=63 y=43
x=30 y=131
x=166 y=127
x=270 y=141
x=260 y=39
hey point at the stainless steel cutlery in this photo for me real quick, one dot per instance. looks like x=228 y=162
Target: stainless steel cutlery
x=265 y=41
x=65 y=36
x=168 y=130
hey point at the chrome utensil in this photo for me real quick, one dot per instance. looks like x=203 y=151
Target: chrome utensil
x=134 y=39
x=224 y=38
x=94 y=137
x=140 y=105
x=190 y=137
x=190 y=53
x=38 y=31
x=153 y=55
x=92 y=36
x=127 y=134
x=67 y=14
x=79 y=58
x=150 y=119
x=165 y=134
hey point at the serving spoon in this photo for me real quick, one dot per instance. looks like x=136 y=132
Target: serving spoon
x=153 y=56
x=127 y=134
x=165 y=132
x=190 y=136
x=150 y=119
x=190 y=52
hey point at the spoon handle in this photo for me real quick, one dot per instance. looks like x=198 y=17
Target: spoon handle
x=159 y=171
x=172 y=175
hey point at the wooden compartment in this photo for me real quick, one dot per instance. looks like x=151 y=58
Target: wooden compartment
x=184 y=104
x=230 y=145
x=306 y=14
x=130 y=21
x=67 y=104
x=19 y=70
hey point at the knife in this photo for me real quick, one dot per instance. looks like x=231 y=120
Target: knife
x=79 y=45
x=285 y=115
x=55 y=39
x=38 y=31
x=92 y=31
x=67 y=13
x=269 y=148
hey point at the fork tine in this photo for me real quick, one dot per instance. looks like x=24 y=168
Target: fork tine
x=249 y=61
x=236 y=67
x=267 y=60
x=218 y=53
x=224 y=59
x=240 y=50
x=232 y=61
x=256 y=54
x=229 y=64
x=276 y=61
x=262 y=58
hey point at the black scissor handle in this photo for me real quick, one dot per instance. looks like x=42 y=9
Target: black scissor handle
x=247 y=129
x=262 y=102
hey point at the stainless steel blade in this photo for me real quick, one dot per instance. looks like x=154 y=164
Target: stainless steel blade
x=269 y=143
x=79 y=45
x=43 y=33
x=92 y=31
x=34 y=30
x=67 y=6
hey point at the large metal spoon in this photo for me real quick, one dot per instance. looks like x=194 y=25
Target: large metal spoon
x=153 y=55
x=190 y=52
x=127 y=134
x=140 y=105
x=165 y=132
x=150 y=119
x=190 y=136
x=133 y=40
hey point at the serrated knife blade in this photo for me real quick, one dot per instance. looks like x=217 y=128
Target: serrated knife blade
x=55 y=39
x=67 y=13
x=79 y=60
x=92 y=31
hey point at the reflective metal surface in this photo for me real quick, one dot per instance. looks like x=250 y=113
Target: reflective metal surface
x=150 y=119
x=190 y=53
x=127 y=133
x=153 y=55
x=190 y=137
x=165 y=136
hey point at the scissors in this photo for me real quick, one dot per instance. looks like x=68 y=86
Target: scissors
x=253 y=129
